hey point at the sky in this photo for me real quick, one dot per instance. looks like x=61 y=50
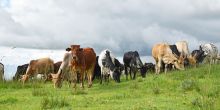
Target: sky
x=38 y=27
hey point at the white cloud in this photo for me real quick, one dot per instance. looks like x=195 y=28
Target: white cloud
x=120 y=25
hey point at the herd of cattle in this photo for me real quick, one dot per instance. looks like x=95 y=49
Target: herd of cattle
x=81 y=64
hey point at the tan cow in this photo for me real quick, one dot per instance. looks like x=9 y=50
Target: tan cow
x=162 y=53
x=42 y=66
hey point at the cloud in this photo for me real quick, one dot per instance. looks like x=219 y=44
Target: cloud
x=120 y=25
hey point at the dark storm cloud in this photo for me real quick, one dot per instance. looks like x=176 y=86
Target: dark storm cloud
x=120 y=25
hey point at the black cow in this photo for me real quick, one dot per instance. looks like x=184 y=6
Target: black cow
x=150 y=67
x=97 y=70
x=200 y=55
x=21 y=70
x=119 y=69
x=132 y=61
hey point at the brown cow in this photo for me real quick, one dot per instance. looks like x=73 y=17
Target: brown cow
x=78 y=60
x=40 y=66
x=83 y=62
x=162 y=53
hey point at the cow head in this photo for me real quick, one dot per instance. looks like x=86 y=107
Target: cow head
x=192 y=60
x=24 y=78
x=116 y=75
x=143 y=71
x=201 y=56
x=57 y=79
x=179 y=63
x=150 y=66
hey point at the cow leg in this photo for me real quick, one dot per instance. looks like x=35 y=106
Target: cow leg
x=126 y=72
x=74 y=80
x=82 y=80
x=166 y=66
x=134 y=75
x=159 y=66
x=135 y=71
x=130 y=72
x=108 y=77
x=156 y=67
x=90 y=74
x=101 y=78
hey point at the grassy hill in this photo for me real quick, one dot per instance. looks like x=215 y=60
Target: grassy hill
x=195 y=88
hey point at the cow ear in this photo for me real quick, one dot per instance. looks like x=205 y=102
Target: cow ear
x=68 y=49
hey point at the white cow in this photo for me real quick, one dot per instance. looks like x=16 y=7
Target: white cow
x=182 y=47
x=107 y=65
x=64 y=72
x=211 y=51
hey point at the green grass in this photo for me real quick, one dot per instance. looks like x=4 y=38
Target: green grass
x=193 y=89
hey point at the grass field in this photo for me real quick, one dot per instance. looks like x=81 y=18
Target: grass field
x=193 y=89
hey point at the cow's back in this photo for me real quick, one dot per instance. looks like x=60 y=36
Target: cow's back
x=127 y=58
x=210 y=49
x=39 y=66
x=182 y=47
x=160 y=50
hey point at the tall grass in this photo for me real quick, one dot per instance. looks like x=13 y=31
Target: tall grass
x=54 y=102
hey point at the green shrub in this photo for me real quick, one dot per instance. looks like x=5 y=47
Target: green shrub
x=9 y=100
x=39 y=92
x=189 y=84
x=50 y=103
x=78 y=92
x=156 y=90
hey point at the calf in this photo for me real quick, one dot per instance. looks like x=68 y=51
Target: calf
x=150 y=67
